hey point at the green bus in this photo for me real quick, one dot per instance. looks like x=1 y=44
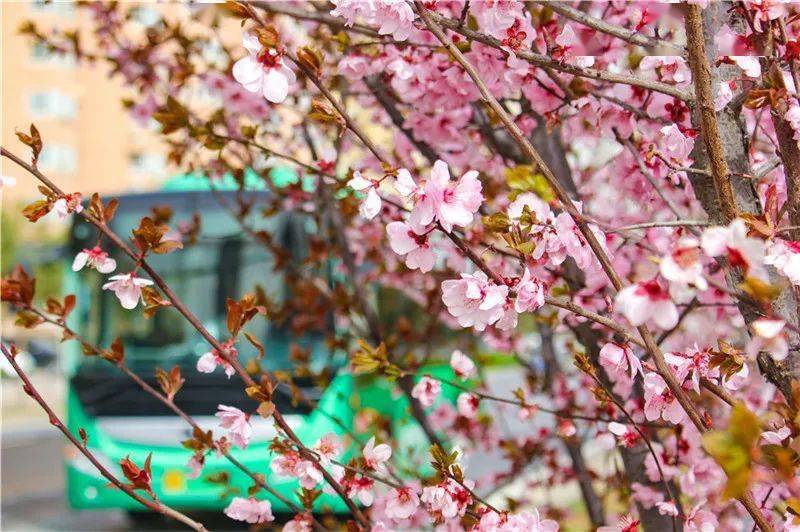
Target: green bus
x=121 y=420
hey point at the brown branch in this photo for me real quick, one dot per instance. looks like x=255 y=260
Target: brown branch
x=631 y=36
x=701 y=74
x=156 y=506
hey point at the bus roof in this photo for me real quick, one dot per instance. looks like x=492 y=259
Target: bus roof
x=281 y=176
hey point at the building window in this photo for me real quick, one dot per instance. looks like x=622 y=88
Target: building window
x=62 y=8
x=41 y=54
x=52 y=104
x=58 y=158
x=147 y=164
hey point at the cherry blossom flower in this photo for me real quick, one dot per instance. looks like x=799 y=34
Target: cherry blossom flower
x=776 y=437
x=328 y=448
x=292 y=465
x=249 y=510
x=67 y=204
x=645 y=301
x=371 y=205
x=625 y=523
x=195 y=466
x=451 y=203
x=462 y=365
x=447 y=499
x=396 y=18
x=401 y=503
x=263 y=70
x=96 y=258
x=350 y=10
x=659 y=403
x=407 y=241
x=128 y=288
x=792 y=116
x=376 y=455
x=750 y=65
x=682 y=265
x=769 y=336
x=517 y=522
x=468 y=404
x=300 y=523
x=237 y=423
x=677 y=144
x=785 y=256
x=733 y=243
x=627 y=436
x=700 y=519
x=530 y=293
x=474 y=300
x=619 y=361
x=426 y=391
x=724 y=96
x=209 y=361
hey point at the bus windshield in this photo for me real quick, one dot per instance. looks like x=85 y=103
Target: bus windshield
x=223 y=263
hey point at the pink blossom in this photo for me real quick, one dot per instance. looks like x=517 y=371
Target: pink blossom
x=468 y=404
x=677 y=144
x=682 y=265
x=724 y=96
x=376 y=455
x=395 y=17
x=769 y=336
x=474 y=300
x=237 y=423
x=627 y=436
x=195 y=466
x=700 y=519
x=128 y=288
x=328 y=448
x=776 y=437
x=451 y=203
x=401 y=503
x=659 y=403
x=209 y=361
x=351 y=10
x=619 y=360
x=263 y=71
x=292 y=465
x=96 y=258
x=300 y=523
x=371 y=205
x=249 y=510
x=749 y=64
x=645 y=301
x=447 y=499
x=739 y=249
x=625 y=523
x=462 y=365
x=407 y=241
x=793 y=117
x=530 y=293
x=785 y=256
x=426 y=391
x=518 y=522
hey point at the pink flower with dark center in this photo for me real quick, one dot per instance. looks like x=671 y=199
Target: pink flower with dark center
x=449 y=202
x=404 y=240
x=530 y=293
x=474 y=300
x=263 y=70
x=249 y=510
x=96 y=258
x=682 y=265
x=67 y=204
x=426 y=391
x=209 y=361
x=462 y=365
x=401 y=503
x=647 y=300
x=627 y=436
x=659 y=403
x=468 y=404
x=739 y=249
x=785 y=256
x=292 y=465
x=237 y=423
x=328 y=448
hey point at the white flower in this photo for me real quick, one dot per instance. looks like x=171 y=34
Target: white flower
x=643 y=301
x=462 y=365
x=683 y=266
x=95 y=258
x=785 y=256
x=371 y=205
x=376 y=455
x=263 y=71
x=128 y=288
x=733 y=243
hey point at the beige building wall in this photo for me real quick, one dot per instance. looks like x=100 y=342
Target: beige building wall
x=90 y=142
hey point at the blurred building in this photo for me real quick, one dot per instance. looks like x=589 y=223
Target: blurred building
x=90 y=141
